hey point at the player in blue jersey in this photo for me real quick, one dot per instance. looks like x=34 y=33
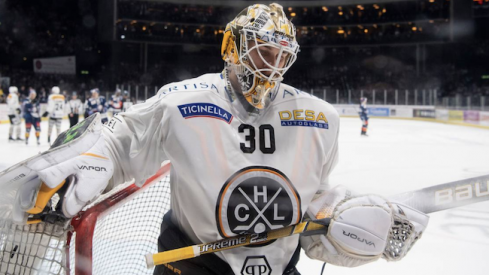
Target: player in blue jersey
x=96 y=104
x=32 y=116
x=363 y=115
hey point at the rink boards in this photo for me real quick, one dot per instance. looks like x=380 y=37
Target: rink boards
x=429 y=113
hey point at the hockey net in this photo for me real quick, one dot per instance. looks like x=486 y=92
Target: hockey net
x=111 y=236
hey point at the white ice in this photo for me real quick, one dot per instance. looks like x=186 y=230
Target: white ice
x=398 y=156
x=401 y=155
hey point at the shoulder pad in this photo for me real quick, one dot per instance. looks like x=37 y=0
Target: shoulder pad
x=206 y=82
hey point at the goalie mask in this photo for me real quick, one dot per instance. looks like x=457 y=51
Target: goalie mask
x=259 y=45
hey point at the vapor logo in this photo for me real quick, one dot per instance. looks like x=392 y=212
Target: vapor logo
x=205 y=110
x=355 y=237
x=256 y=265
x=94 y=168
x=257 y=199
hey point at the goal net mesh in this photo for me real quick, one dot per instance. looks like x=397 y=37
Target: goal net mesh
x=124 y=233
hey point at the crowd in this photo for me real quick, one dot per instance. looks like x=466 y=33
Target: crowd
x=46 y=28
x=344 y=68
x=400 y=22
x=168 y=32
x=342 y=47
x=370 y=13
x=176 y=13
x=406 y=32
x=301 y=16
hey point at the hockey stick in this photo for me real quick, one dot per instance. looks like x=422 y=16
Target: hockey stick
x=426 y=200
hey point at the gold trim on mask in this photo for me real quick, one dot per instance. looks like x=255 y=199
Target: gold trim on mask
x=258 y=92
x=229 y=52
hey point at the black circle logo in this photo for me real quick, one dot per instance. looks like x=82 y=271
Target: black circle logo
x=257 y=199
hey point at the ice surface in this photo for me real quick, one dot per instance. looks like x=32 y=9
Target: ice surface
x=403 y=155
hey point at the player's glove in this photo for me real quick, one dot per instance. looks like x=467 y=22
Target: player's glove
x=362 y=229
x=77 y=167
x=45 y=114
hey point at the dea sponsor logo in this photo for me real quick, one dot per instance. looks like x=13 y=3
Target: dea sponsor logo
x=304 y=118
x=257 y=199
x=256 y=265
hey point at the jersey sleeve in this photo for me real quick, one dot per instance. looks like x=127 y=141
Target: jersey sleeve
x=50 y=105
x=135 y=141
x=12 y=103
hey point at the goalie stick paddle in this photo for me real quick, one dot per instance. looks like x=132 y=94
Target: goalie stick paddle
x=427 y=200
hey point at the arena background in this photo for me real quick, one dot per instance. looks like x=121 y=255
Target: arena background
x=414 y=59
x=430 y=54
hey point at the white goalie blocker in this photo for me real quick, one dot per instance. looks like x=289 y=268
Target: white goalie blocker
x=110 y=236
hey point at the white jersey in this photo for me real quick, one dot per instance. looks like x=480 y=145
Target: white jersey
x=56 y=105
x=126 y=105
x=13 y=103
x=230 y=177
x=75 y=106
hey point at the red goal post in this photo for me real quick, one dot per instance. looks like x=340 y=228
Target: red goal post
x=111 y=236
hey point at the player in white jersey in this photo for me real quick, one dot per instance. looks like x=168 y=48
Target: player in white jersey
x=75 y=108
x=14 y=113
x=248 y=154
x=56 y=111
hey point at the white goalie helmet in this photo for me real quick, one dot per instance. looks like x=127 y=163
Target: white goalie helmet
x=55 y=90
x=246 y=42
x=13 y=89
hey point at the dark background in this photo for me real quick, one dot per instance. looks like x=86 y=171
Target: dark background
x=345 y=45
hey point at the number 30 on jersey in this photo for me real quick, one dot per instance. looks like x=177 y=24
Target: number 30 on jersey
x=266 y=136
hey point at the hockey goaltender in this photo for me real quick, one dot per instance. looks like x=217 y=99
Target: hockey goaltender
x=248 y=153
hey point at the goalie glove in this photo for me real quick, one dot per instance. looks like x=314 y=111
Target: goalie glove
x=77 y=167
x=362 y=228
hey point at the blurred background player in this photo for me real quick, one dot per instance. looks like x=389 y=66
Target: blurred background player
x=56 y=107
x=96 y=104
x=32 y=116
x=363 y=115
x=116 y=102
x=126 y=101
x=14 y=113
x=75 y=107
